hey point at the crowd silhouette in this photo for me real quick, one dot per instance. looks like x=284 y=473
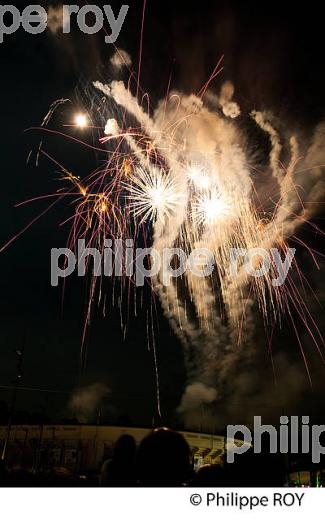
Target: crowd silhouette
x=162 y=459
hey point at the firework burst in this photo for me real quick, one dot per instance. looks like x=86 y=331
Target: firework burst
x=153 y=194
x=212 y=207
x=183 y=169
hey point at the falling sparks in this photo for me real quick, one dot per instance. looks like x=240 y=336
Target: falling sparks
x=184 y=170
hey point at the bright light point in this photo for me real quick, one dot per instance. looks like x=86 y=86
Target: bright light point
x=199 y=177
x=157 y=197
x=214 y=208
x=211 y=208
x=203 y=182
x=81 y=120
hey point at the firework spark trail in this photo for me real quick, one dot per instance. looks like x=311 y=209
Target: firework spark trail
x=183 y=168
x=164 y=234
x=187 y=133
x=211 y=340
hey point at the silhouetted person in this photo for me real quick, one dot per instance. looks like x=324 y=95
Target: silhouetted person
x=120 y=470
x=163 y=459
x=256 y=470
x=210 y=475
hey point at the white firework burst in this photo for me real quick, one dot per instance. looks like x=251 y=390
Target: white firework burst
x=153 y=194
x=211 y=207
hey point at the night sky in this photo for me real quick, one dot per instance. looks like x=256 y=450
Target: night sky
x=274 y=55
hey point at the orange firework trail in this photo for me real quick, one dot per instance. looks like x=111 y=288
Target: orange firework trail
x=180 y=176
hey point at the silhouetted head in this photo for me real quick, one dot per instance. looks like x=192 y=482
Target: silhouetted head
x=164 y=459
x=124 y=449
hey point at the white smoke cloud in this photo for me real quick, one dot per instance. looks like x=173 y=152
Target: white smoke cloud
x=86 y=401
x=56 y=19
x=111 y=127
x=121 y=59
x=229 y=107
x=197 y=394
